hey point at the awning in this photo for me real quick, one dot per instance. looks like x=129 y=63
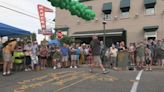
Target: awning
x=62 y=29
x=149 y=3
x=54 y=42
x=150 y=28
x=125 y=5
x=112 y=32
x=7 y=30
x=107 y=8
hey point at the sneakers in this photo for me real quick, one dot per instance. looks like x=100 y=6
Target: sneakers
x=75 y=66
x=26 y=70
x=4 y=74
x=54 y=67
x=29 y=69
x=105 y=71
x=8 y=73
x=91 y=71
x=71 y=67
x=150 y=69
x=147 y=69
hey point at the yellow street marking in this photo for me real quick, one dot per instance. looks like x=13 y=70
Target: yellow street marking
x=105 y=78
x=85 y=78
x=134 y=80
x=41 y=77
x=52 y=77
x=73 y=76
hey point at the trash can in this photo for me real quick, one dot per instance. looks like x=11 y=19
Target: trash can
x=122 y=60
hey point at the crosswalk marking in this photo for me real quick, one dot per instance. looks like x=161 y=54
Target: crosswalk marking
x=135 y=84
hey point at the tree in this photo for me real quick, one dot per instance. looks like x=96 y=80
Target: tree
x=66 y=39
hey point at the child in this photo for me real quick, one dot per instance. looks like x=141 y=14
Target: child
x=43 y=56
x=56 y=58
x=18 y=57
x=90 y=57
x=73 y=56
x=148 y=59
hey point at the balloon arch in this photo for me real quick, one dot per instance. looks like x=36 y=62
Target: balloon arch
x=75 y=8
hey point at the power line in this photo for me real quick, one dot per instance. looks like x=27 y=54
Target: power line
x=13 y=6
x=21 y=13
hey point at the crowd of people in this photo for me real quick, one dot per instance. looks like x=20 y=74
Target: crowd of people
x=31 y=56
x=144 y=53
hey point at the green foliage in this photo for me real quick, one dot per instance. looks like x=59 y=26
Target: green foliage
x=53 y=36
x=66 y=39
x=75 y=8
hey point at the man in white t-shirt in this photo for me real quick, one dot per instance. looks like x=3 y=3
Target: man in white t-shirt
x=113 y=55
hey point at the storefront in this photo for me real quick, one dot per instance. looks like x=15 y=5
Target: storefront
x=112 y=36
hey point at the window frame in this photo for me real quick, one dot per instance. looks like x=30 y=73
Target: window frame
x=125 y=14
x=148 y=11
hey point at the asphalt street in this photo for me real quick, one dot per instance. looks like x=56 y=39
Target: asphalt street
x=80 y=80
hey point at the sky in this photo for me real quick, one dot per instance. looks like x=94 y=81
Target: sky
x=22 y=21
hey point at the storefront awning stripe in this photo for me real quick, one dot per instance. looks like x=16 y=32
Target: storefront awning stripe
x=150 y=28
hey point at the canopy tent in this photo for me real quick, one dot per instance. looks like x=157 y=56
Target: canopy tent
x=7 y=30
x=54 y=42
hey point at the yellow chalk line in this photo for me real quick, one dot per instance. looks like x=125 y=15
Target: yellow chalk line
x=72 y=84
x=61 y=82
x=54 y=77
x=41 y=78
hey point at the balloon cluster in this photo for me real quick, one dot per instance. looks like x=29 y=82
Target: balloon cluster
x=75 y=8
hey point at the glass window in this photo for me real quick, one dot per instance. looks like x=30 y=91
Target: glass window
x=90 y=7
x=107 y=16
x=150 y=11
x=124 y=14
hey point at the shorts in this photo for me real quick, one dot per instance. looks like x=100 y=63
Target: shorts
x=97 y=60
x=113 y=60
x=7 y=57
x=43 y=57
x=73 y=57
x=78 y=57
x=140 y=58
x=64 y=58
x=28 y=60
x=148 y=61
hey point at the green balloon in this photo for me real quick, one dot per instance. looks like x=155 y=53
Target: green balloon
x=55 y=3
x=73 y=13
x=93 y=15
x=73 y=3
x=62 y=5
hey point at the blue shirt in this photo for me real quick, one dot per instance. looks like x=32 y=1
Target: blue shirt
x=64 y=51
